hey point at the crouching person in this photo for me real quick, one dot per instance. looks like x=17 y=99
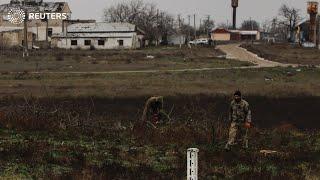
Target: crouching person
x=153 y=110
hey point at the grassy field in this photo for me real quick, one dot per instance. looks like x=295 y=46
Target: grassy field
x=286 y=53
x=270 y=82
x=97 y=138
x=87 y=125
x=115 y=60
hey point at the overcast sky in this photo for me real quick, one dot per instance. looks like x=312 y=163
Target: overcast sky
x=219 y=10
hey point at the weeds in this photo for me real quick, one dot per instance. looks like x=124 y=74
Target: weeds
x=63 y=137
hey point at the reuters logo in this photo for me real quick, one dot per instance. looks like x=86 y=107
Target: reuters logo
x=16 y=16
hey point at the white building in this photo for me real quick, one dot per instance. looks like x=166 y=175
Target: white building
x=177 y=39
x=99 y=36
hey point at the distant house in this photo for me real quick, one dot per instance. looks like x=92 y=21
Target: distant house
x=221 y=34
x=302 y=31
x=14 y=36
x=100 y=36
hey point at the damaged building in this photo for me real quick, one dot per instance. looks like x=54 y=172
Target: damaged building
x=100 y=35
x=14 y=36
x=43 y=29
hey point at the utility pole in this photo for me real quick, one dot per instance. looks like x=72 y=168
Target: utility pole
x=25 y=41
x=200 y=27
x=251 y=30
x=47 y=34
x=179 y=19
x=194 y=25
x=208 y=25
x=318 y=24
x=157 y=31
x=189 y=33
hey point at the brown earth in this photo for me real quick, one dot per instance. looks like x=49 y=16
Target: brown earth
x=93 y=138
x=97 y=114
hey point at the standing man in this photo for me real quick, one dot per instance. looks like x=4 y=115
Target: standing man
x=240 y=118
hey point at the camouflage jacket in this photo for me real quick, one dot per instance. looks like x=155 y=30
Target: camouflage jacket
x=240 y=112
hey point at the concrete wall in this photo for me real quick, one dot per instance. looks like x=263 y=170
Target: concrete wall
x=221 y=36
x=14 y=38
x=177 y=39
x=110 y=43
x=40 y=32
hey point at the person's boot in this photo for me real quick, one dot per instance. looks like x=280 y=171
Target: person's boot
x=227 y=147
x=245 y=144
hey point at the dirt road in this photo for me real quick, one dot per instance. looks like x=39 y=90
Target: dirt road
x=234 y=51
x=141 y=71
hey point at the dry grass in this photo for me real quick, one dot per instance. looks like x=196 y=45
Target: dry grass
x=114 y=60
x=286 y=53
x=284 y=82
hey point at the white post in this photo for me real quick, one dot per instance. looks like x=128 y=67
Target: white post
x=192 y=164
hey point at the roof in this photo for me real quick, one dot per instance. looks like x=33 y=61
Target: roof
x=244 y=32
x=101 y=27
x=99 y=30
x=43 y=7
x=220 y=31
x=249 y=32
x=10 y=29
x=95 y=35
x=303 y=21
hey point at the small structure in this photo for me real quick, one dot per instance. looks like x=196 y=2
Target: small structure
x=302 y=31
x=249 y=35
x=192 y=164
x=177 y=39
x=10 y=37
x=100 y=36
x=221 y=34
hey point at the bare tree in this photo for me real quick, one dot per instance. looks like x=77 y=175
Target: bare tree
x=224 y=25
x=250 y=25
x=156 y=23
x=206 y=26
x=290 y=17
x=266 y=26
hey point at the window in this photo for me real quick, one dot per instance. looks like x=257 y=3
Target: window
x=74 y=42
x=87 y=42
x=49 y=32
x=101 y=42
x=120 y=42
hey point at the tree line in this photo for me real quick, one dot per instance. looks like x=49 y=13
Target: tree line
x=158 y=24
